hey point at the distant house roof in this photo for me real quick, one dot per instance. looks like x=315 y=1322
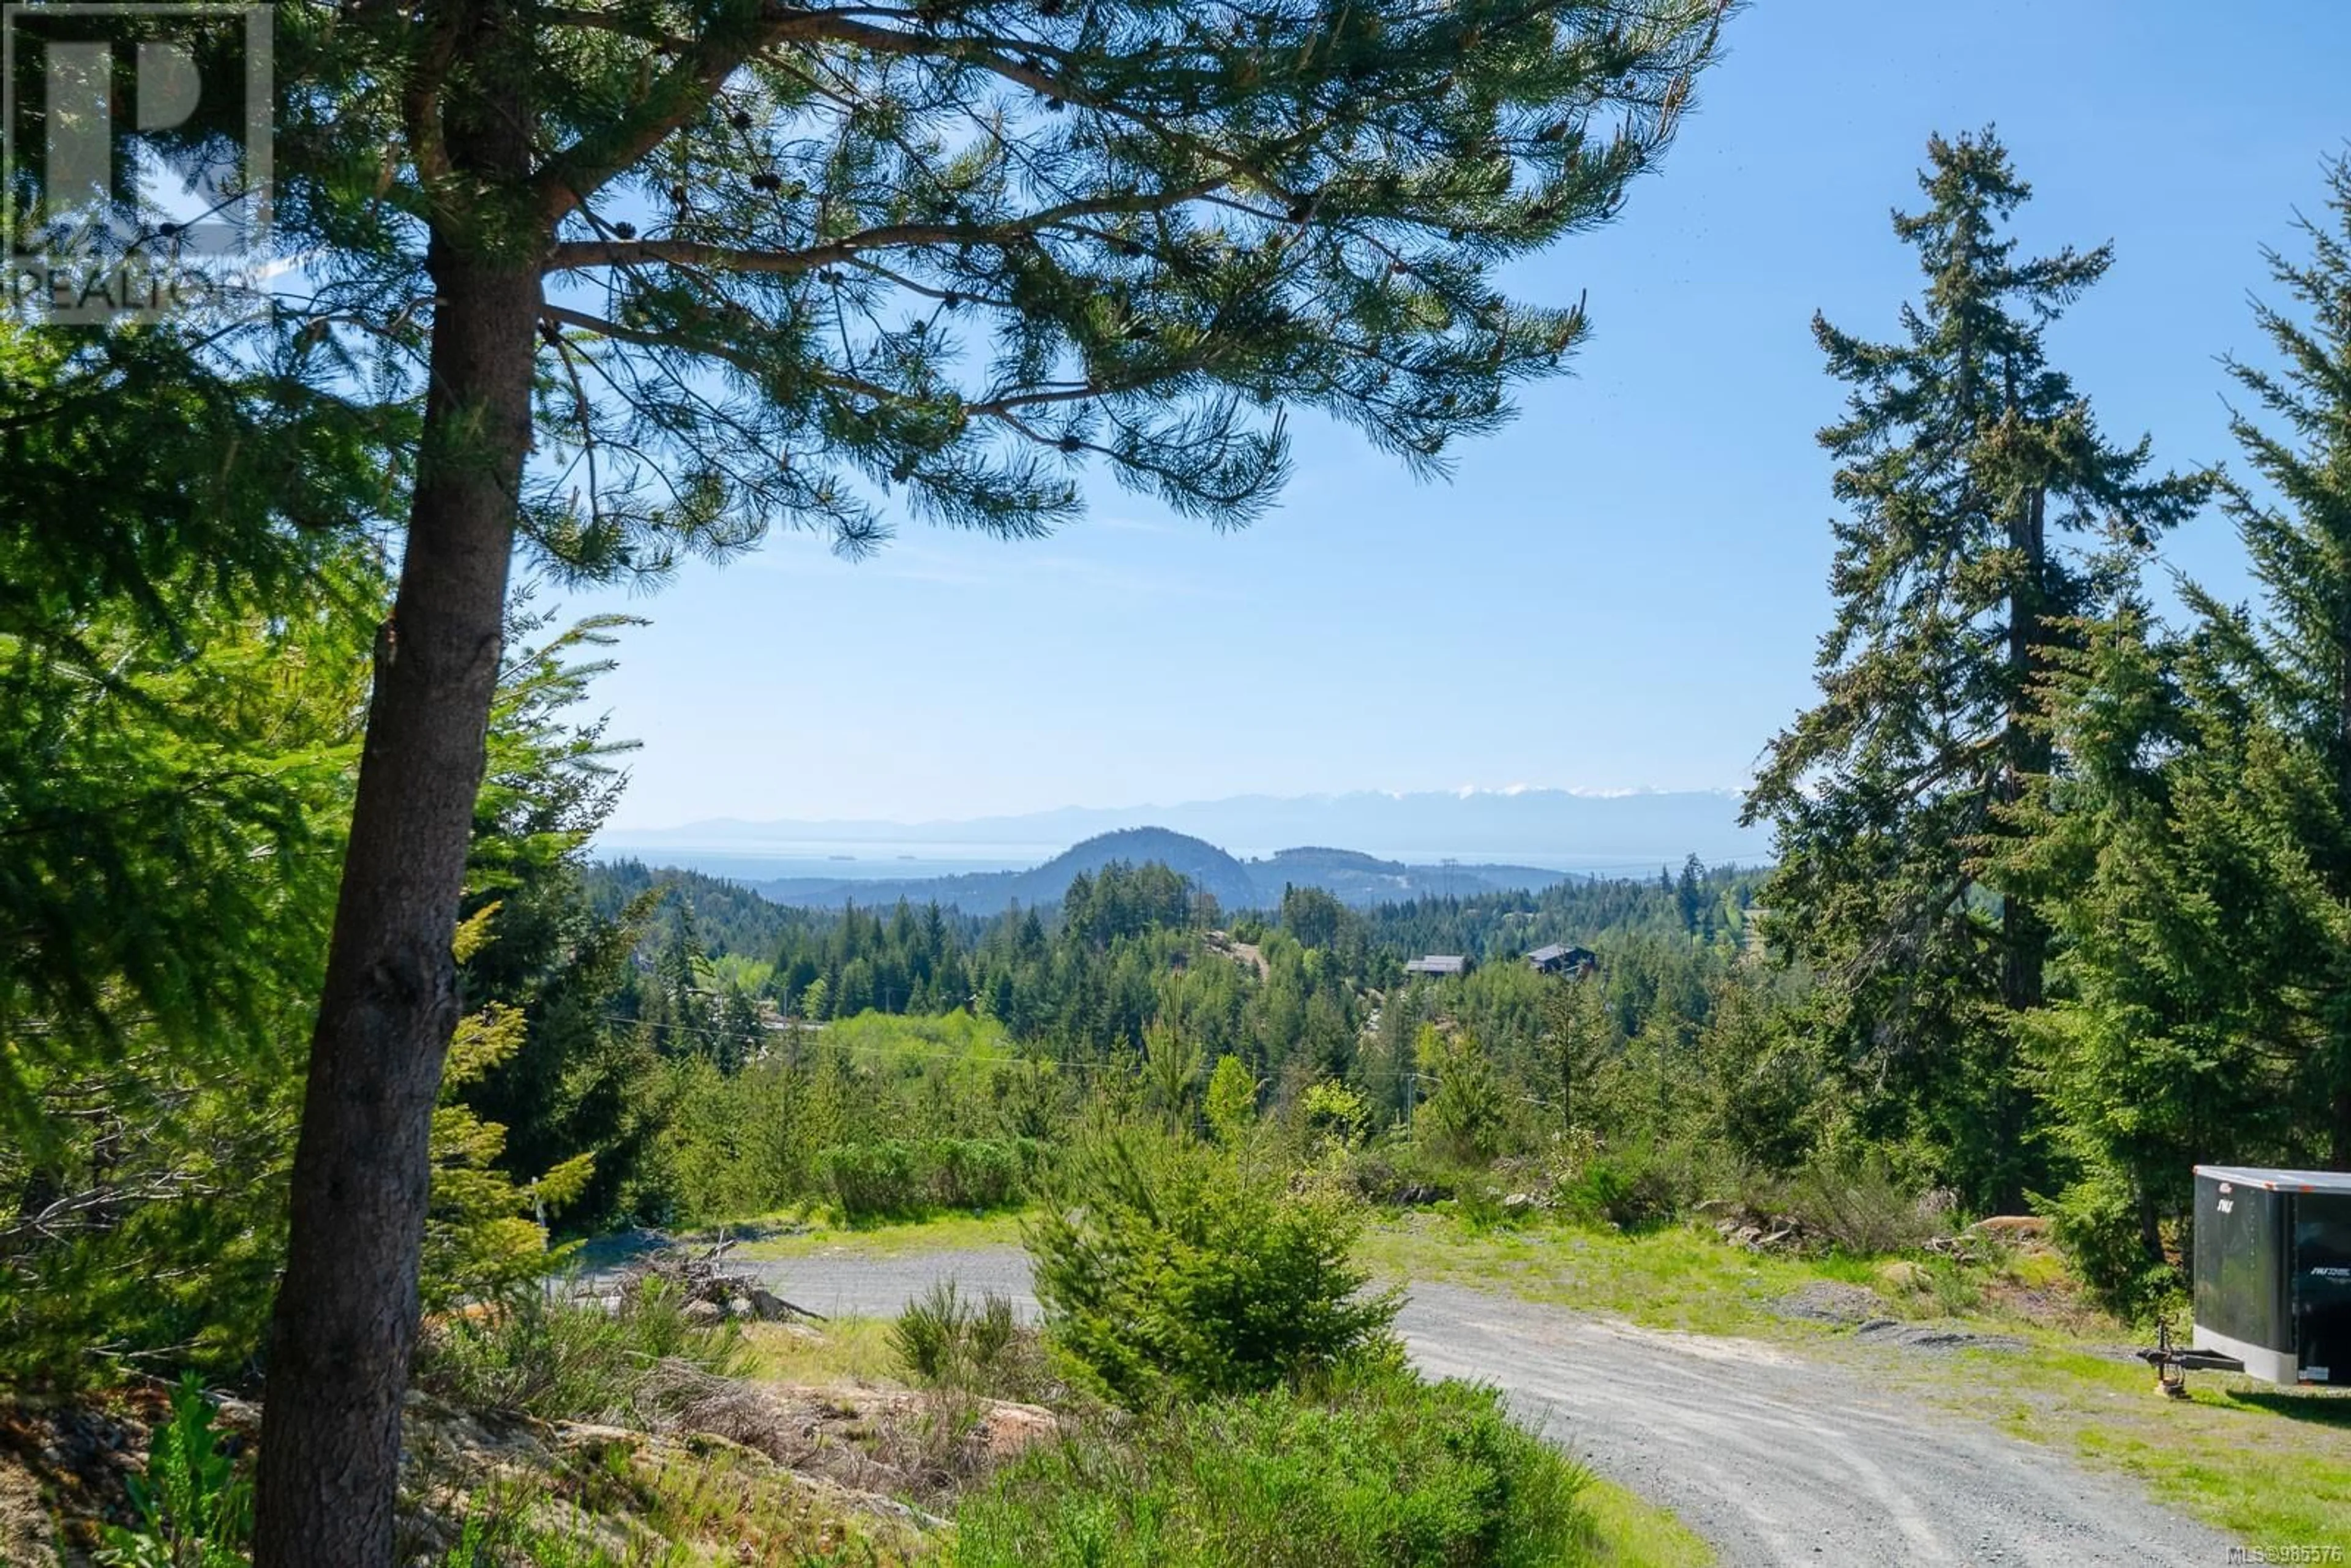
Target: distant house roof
x=1436 y=964
x=1560 y=956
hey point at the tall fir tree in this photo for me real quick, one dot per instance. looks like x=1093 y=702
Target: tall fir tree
x=1984 y=513
x=2294 y=657
x=2198 y=858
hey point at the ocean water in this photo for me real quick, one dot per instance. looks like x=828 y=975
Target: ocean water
x=857 y=860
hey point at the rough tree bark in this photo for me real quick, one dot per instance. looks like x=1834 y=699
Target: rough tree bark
x=347 y=1309
x=346 y=1319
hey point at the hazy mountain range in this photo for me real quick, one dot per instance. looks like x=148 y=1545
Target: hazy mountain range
x=1557 y=829
x=1429 y=844
x=1235 y=883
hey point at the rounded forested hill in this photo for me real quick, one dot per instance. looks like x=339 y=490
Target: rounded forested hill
x=1206 y=866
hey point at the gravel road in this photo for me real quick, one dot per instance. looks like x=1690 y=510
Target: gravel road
x=1772 y=1456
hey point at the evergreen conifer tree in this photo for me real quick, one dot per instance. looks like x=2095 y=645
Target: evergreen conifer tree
x=2293 y=658
x=1985 y=514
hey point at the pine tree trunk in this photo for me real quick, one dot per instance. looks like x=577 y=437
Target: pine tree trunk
x=347 y=1308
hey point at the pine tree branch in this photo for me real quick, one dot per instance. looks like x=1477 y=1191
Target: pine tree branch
x=578 y=254
x=563 y=316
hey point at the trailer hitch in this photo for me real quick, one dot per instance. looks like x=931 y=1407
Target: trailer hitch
x=2172 y=1365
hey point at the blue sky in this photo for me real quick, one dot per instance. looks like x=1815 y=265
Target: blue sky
x=1625 y=588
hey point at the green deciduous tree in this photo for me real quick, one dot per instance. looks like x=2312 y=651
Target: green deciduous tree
x=1985 y=514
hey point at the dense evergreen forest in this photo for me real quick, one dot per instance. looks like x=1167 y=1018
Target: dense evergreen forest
x=1134 y=973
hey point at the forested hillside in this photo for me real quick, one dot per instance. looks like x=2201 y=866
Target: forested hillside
x=919 y=958
x=1127 y=979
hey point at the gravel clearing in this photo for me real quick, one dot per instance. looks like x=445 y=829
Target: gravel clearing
x=1772 y=1456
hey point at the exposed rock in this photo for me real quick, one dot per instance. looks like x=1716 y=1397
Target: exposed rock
x=1014 y=1428
x=1904 y=1274
x=2013 y=1227
x=1757 y=1231
x=1830 y=1301
x=1934 y=1336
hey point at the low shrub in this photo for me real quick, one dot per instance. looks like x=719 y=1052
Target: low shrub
x=881 y=1180
x=1955 y=1290
x=2097 y=1223
x=1170 y=1267
x=1856 y=1204
x=195 y=1508
x=562 y=1359
x=1372 y=1467
x=1399 y=1174
x=946 y=1340
x=978 y=1173
x=894 y=1178
x=1633 y=1189
x=1478 y=1208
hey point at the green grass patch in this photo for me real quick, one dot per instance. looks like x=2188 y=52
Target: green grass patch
x=1675 y=1278
x=690 y=1503
x=1377 y=1467
x=1631 y=1533
x=841 y=1350
x=561 y=1359
x=2263 y=1464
